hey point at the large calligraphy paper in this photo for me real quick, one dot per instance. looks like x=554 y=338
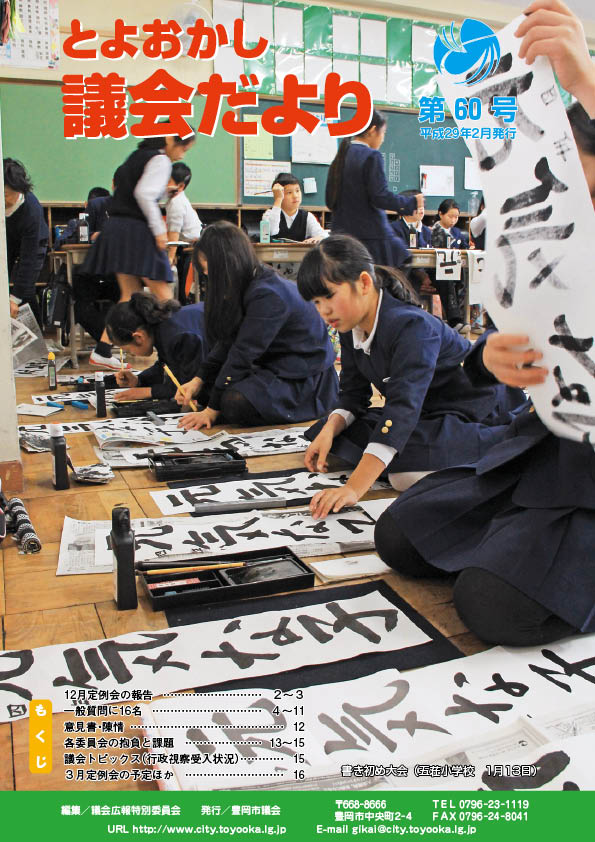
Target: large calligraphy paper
x=539 y=234
x=352 y=529
x=77 y=544
x=205 y=653
x=300 y=484
x=392 y=718
x=84 y=397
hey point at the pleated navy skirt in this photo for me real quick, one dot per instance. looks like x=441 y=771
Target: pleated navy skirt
x=126 y=245
x=525 y=512
x=283 y=401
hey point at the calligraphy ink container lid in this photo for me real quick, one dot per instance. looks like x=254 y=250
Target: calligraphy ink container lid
x=266 y=572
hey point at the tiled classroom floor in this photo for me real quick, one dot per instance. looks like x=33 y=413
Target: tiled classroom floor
x=39 y=609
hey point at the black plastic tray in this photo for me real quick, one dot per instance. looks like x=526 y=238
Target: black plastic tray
x=231 y=584
x=215 y=462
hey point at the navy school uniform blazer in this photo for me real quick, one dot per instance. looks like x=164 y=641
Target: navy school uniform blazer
x=26 y=245
x=402 y=230
x=364 y=197
x=279 y=331
x=181 y=344
x=439 y=237
x=415 y=362
x=97 y=212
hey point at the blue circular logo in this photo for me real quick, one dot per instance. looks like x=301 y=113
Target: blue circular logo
x=477 y=51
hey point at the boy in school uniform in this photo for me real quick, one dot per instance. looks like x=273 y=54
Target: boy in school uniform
x=287 y=220
x=412 y=231
x=180 y=217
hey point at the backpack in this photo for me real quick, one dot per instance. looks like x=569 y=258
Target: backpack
x=55 y=304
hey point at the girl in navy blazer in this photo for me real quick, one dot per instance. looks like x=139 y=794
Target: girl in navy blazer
x=358 y=194
x=271 y=360
x=446 y=235
x=520 y=524
x=432 y=417
x=143 y=325
x=26 y=235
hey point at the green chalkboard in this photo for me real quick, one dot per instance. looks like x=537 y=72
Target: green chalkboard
x=403 y=149
x=64 y=170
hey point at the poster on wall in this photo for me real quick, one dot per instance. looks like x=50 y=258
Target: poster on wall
x=36 y=39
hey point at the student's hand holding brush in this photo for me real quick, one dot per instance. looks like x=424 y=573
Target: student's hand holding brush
x=125 y=377
x=186 y=391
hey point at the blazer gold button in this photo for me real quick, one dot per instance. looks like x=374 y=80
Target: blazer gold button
x=388 y=422
x=384 y=430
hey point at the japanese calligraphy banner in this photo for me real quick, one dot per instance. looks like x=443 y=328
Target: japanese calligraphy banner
x=489 y=707
x=540 y=230
x=352 y=529
x=209 y=652
x=300 y=484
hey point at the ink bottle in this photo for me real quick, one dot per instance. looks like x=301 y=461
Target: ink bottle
x=122 y=541
x=60 y=476
x=52 y=376
x=100 y=394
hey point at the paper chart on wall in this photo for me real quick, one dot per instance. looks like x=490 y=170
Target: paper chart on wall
x=316 y=148
x=437 y=180
x=259 y=176
x=350 y=530
x=298 y=485
x=207 y=653
x=37 y=43
x=540 y=227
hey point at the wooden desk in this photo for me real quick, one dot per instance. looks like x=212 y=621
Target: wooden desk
x=281 y=252
x=71 y=255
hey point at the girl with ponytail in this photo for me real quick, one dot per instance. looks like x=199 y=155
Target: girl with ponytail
x=432 y=417
x=145 y=324
x=358 y=194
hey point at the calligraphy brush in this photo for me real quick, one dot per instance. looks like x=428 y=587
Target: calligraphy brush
x=173 y=566
x=176 y=383
x=201 y=567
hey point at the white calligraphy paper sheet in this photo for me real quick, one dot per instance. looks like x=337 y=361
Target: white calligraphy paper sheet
x=540 y=232
x=206 y=653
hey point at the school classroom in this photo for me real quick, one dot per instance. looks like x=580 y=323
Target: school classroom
x=229 y=174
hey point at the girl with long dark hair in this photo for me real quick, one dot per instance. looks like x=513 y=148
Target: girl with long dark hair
x=432 y=416
x=358 y=195
x=143 y=325
x=518 y=527
x=271 y=360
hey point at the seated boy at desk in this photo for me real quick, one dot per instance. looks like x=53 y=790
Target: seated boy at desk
x=411 y=229
x=287 y=220
x=180 y=217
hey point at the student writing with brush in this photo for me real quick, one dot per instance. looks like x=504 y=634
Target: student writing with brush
x=143 y=325
x=270 y=359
